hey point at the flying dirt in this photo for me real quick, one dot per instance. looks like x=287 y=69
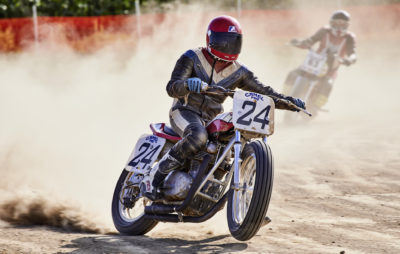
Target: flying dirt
x=70 y=121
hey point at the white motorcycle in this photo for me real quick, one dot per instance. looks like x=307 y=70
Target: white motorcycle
x=235 y=167
x=308 y=75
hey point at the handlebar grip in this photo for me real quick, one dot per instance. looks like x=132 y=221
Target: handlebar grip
x=204 y=86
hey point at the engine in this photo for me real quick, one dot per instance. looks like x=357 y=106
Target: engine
x=177 y=185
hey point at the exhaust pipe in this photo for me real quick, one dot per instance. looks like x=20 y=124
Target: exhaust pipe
x=175 y=218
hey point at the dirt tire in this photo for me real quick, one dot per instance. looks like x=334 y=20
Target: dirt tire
x=263 y=170
x=299 y=90
x=140 y=225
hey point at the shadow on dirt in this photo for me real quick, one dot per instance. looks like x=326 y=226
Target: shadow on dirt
x=144 y=244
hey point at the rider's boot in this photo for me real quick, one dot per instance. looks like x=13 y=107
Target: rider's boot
x=167 y=163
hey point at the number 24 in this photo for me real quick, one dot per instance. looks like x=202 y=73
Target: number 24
x=264 y=121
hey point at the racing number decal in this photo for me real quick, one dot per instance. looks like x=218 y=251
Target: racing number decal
x=133 y=162
x=314 y=62
x=144 y=157
x=145 y=153
x=253 y=112
x=264 y=121
x=253 y=107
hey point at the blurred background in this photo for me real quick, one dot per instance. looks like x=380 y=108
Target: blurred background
x=86 y=25
x=81 y=80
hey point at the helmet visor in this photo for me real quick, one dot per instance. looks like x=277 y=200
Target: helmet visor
x=339 y=24
x=226 y=42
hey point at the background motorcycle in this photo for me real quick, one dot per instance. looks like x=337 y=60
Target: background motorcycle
x=235 y=167
x=305 y=82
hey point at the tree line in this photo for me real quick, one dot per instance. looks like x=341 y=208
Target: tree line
x=23 y=8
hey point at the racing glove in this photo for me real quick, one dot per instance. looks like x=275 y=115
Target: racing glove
x=298 y=102
x=347 y=62
x=196 y=85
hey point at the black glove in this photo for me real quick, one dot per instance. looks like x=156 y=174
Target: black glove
x=346 y=62
x=298 y=102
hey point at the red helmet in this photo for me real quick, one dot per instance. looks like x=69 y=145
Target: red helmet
x=224 y=38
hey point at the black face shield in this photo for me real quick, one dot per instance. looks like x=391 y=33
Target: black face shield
x=226 y=42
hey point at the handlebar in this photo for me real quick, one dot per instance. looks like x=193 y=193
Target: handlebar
x=219 y=90
x=291 y=104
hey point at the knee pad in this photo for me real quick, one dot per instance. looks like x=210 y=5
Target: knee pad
x=195 y=138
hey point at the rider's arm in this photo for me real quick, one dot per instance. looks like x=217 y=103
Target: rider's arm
x=308 y=42
x=250 y=82
x=351 y=48
x=182 y=71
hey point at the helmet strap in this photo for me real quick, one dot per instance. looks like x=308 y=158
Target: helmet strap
x=212 y=71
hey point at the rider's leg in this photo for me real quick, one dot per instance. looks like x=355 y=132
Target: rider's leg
x=194 y=137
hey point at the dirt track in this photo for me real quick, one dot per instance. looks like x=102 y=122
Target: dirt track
x=337 y=178
x=344 y=200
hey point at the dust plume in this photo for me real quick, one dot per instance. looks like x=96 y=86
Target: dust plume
x=70 y=120
x=38 y=210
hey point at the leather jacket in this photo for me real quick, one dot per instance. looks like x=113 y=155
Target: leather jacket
x=193 y=63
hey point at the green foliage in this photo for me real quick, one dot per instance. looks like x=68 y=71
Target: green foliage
x=23 y=8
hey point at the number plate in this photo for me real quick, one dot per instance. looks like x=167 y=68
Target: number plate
x=314 y=63
x=253 y=112
x=146 y=151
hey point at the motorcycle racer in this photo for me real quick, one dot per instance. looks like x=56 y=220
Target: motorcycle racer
x=197 y=68
x=336 y=42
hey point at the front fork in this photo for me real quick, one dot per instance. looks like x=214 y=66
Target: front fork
x=237 y=161
x=236 y=174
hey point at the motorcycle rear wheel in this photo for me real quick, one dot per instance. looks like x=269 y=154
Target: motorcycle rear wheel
x=247 y=207
x=129 y=221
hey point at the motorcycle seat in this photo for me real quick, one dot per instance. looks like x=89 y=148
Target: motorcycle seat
x=168 y=130
x=163 y=131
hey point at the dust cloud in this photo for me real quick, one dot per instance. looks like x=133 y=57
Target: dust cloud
x=32 y=209
x=69 y=122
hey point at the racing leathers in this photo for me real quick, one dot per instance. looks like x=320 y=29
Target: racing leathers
x=333 y=47
x=191 y=112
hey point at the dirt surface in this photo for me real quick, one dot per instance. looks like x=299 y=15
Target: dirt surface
x=72 y=120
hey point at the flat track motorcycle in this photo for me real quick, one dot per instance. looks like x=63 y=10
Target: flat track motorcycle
x=235 y=167
x=306 y=81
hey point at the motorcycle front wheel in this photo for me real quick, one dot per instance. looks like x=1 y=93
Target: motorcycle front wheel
x=129 y=221
x=247 y=207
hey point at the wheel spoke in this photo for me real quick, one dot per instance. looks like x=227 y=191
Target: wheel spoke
x=242 y=197
x=134 y=213
x=249 y=190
